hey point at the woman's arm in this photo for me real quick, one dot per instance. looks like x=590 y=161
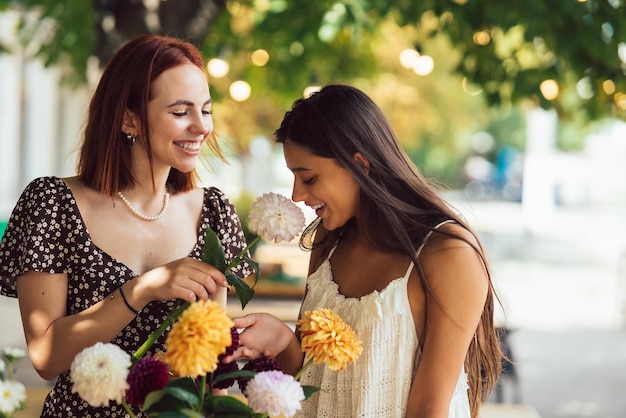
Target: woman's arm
x=458 y=284
x=54 y=338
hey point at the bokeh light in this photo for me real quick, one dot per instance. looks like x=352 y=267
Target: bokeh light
x=260 y=57
x=217 y=67
x=240 y=91
x=549 y=89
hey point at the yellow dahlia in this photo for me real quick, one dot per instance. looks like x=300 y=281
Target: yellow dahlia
x=196 y=340
x=328 y=339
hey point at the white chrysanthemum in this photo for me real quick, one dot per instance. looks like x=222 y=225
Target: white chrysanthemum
x=12 y=394
x=99 y=374
x=13 y=353
x=3 y=366
x=275 y=393
x=276 y=218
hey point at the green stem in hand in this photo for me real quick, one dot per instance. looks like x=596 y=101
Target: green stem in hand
x=171 y=318
x=127 y=409
x=306 y=366
x=237 y=259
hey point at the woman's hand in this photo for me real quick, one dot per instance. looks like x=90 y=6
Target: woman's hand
x=264 y=335
x=187 y=279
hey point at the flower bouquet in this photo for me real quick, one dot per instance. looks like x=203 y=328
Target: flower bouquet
x=195 y=345
x=185 y=381
x=12 y=392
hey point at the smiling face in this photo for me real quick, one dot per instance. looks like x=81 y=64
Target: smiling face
x=179 y=117
x=322 y=184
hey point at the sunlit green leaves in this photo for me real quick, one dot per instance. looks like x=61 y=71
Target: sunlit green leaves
x=213 y=253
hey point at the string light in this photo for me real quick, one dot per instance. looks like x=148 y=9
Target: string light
x=549 y=89
x=217 y=67
x=240 y=91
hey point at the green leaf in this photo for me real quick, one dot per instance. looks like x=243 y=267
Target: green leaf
x=229 y=406
x=153 y=399
x=309 y=390
x=244 y=292
x=255 y=267
x=213 y=253
x=213 y=250
x=185 y=412
x=234 y=375
x=185 y=383
x=178 y=394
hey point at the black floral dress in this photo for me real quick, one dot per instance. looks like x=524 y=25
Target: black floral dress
x=46 y=233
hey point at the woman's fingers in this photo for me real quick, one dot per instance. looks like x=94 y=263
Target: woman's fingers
x=207 y=280
x=245 y=321
x=241 y=353
x=187 y=279
x=263 y=335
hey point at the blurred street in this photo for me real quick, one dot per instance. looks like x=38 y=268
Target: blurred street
x=562 y=288
x=563 y=291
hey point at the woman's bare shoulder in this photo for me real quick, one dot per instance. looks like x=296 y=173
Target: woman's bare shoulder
x=453 y=235
x=454 y=257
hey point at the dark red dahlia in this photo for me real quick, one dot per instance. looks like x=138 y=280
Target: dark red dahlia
x=235 y=344
x=147 y=375
x=261 y=364
x=223 y=368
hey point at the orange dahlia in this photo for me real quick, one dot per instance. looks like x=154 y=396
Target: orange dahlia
x=196 y=340
x=326 y=338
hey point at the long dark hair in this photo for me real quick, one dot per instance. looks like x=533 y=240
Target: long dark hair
x=398 y=205
x=105 y=161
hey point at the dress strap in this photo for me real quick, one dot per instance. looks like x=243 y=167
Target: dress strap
x=419 y=250
x=332 y=250
x=440 y=224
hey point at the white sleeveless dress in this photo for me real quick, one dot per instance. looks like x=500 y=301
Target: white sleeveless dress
x=378 y=384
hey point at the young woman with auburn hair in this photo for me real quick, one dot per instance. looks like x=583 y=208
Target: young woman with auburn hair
x=106 y=255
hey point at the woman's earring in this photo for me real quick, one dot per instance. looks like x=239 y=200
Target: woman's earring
x=131 y=138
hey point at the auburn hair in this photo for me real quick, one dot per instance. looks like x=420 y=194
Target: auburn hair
x=105 y=158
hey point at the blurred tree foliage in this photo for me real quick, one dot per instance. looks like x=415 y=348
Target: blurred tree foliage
x=487 y=53
x=507 y=47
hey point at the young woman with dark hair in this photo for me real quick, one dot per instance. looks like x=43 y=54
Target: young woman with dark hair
x=394 y=260
x=106 y=255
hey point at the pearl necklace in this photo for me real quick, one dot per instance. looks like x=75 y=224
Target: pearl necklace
x=166 y=201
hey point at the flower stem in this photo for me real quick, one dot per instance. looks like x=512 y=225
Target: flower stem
x=171 y=318
x=202 y=393
x=10 y=371
x=301 y=372
x=236 y=260
x=127 y=409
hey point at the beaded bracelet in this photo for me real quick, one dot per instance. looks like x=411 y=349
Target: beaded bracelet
x=135 y=311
